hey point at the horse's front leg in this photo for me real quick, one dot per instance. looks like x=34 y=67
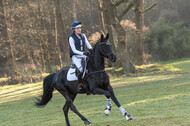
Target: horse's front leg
x=122 y=110
x=107 y=110
x=96 y=90
x=100 y=92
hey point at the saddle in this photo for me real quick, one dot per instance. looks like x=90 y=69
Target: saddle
x=74 y=71
x=71 y=74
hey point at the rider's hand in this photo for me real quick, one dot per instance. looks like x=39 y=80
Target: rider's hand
x=86 y=53
x=91 y=50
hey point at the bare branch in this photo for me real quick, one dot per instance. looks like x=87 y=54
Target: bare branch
x=96 y=5
x=147 y=9
x=125 y=11
x=119 y=2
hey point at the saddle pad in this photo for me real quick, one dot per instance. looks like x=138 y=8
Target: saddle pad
x=71 y=76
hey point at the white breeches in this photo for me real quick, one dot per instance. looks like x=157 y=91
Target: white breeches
x=76 y=59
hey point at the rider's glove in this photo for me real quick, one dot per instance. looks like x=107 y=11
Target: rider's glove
x=91 y=50
x=86 y=53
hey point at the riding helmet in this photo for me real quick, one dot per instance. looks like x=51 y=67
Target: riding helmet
x=76 y=24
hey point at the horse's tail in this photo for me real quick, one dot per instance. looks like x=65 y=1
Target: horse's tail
x=47 y=91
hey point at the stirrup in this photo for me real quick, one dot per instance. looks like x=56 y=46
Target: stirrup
x=80 y=88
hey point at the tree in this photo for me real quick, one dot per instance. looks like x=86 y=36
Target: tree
x=3 y=26
x=101 y=17
x=62 y=35
x=3 y=35
x=139 y=17
x=11 y=45
x=113 y=23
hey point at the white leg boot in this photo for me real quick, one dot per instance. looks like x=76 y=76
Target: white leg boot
x=107 y=110
x=124 y=113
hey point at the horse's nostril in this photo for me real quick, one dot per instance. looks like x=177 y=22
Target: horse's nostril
x=114 y=58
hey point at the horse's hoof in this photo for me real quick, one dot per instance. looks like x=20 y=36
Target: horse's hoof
x=129 y=117
x=86 y=122
x=107 y=111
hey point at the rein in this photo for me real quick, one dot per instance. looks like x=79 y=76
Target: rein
x=100 y=71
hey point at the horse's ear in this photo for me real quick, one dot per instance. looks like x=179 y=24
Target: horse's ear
x=107 y=36
x=102 y=37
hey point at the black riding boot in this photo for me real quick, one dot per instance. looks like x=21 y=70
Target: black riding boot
x=80 y=88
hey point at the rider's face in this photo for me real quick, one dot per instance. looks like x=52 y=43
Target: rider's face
x=77 y=30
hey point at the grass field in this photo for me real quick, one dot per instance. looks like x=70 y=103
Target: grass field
x=159 y=98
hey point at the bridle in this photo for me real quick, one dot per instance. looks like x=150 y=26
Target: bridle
x=102 y=51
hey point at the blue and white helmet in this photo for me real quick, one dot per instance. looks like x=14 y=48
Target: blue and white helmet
x=76 y=24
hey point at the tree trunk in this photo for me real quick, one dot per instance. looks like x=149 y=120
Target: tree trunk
x=48 y=59
x=3 y=26
x=56 y=40
x=109 y=13
x=139 y=16
x=62 y=31
x=48 y=44
x=3 y=36
x=12 y=62
x=46 y=53
x=74 y=10
x=40 y=41
x=101 y=23
x=128 y=66
x=91 y=11
x=8 y=29
x=112 y=22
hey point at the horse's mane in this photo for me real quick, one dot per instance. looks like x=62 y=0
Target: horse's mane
x=95 y=46
x=93 y=52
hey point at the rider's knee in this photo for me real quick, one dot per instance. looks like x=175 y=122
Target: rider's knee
x=81 y=69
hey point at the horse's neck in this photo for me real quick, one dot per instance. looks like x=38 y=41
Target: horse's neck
x=97 y=61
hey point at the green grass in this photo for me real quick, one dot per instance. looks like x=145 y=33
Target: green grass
x=183 y=64
x=154 y=99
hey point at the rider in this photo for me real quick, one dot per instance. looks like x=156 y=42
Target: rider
x=77 y=42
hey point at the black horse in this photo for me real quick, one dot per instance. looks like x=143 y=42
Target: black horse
x=97 y=81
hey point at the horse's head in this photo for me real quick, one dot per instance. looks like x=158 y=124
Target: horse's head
x=105 y=48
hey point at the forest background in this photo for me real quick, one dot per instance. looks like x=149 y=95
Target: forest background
x=34 y=33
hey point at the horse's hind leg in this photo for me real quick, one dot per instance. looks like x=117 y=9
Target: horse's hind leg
x=73 y=108
x=66 y=106
x=69 y=103
x=65 y=110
